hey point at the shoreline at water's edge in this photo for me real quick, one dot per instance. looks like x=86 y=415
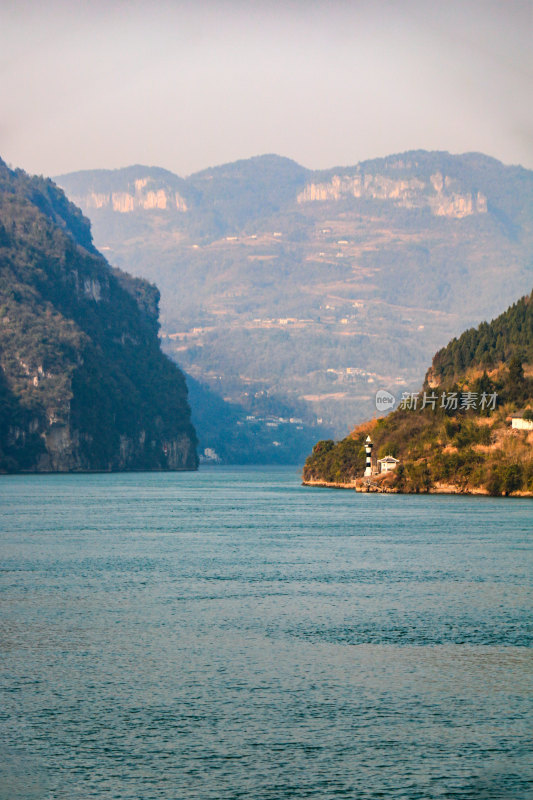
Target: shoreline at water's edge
x=326 y=485
x=6 y=474
x=448 y=488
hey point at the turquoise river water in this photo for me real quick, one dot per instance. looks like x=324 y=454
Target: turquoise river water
x=232 y=635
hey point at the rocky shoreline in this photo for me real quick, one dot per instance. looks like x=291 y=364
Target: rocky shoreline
x=365 y=487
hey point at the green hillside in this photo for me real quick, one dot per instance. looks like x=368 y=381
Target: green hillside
x=455 y=434
x=83 y=382
x=488 y=345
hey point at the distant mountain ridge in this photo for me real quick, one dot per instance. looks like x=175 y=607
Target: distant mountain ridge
x=318 y=286
x=219 y=200
x=83 y=382
x=454 y=186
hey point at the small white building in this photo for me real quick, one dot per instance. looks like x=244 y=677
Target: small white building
x=519 y=423
x=387 y=464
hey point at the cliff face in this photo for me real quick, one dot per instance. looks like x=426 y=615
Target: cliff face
x=134 y=189
x=139 y=197
x=83 y=383
x=441 y=194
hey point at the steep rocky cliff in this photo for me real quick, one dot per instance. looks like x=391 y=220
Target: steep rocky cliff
x=443 y=195
x=83 y=382
x=138 y=191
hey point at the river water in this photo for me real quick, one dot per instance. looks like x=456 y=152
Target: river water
x=230 y=634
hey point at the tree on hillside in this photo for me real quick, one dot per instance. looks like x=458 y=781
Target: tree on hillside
x=515 y=382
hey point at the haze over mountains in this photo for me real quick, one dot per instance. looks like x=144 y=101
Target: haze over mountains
x=286 y=288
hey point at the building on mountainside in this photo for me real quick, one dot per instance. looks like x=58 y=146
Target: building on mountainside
x=520 y=423
x=387 y=464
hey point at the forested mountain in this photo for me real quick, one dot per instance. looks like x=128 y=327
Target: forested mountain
x=83 y=382
x=318 y=287
x=507 y=336
x=455 y=434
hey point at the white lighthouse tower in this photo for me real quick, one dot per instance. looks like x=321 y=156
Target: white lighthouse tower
x=368 y=449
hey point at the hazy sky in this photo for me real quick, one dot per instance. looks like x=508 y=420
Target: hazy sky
x=187 y=85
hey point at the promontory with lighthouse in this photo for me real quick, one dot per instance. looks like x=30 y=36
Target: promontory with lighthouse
x=469 y=430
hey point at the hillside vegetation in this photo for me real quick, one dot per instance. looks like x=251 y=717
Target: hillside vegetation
x=487 y=346
x=463 y=442
x=83 y=382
